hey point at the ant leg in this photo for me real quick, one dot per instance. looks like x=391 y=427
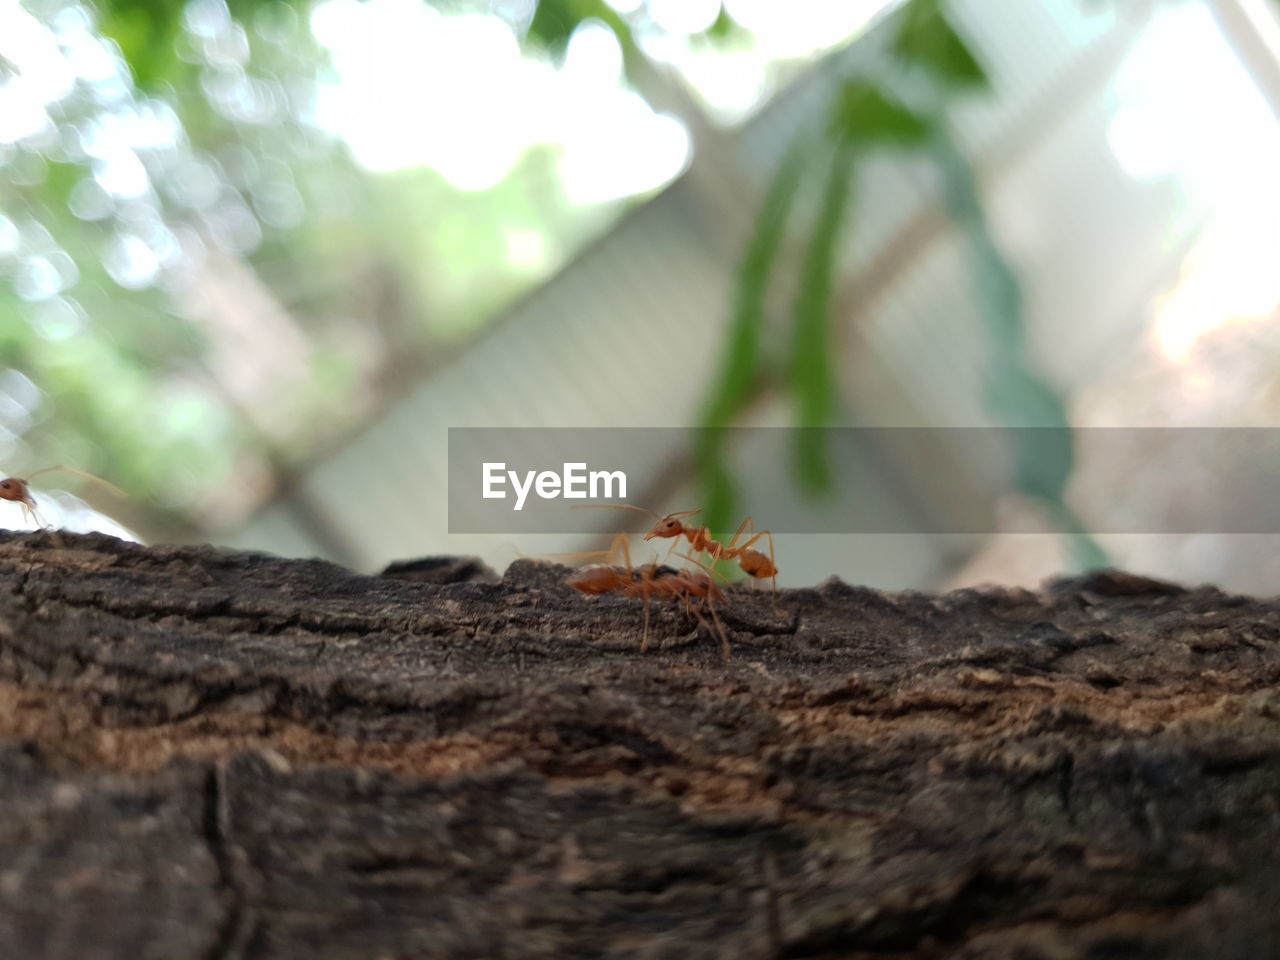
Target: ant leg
x=608 y=555
x=773 y=562
x=717 y=629
x=746 y=525
x=624 y=541
x=731 y=549
x=621 y=541
x=715 y=549
x=716 y=556
x=30 y=514
x=724 y=637
x=773 y=581
x=674 y=541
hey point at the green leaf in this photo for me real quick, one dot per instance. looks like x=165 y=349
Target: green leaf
x=555 y=20
x=719 y=493
x=740 y=363
x=1016 y=395
x=147 y=35
x=740 y=366
x=928 y=40
x=724 y=26
x=864 y=114
x=811 y=378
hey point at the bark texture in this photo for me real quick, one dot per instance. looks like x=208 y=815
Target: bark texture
x=210 y=755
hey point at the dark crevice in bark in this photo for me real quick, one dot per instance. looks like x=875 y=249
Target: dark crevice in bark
x=216 y=824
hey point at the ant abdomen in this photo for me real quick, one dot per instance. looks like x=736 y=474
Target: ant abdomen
x=595 y=580
x=755 y=564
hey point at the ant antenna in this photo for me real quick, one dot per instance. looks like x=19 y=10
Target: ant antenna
x=614 y=506
x=711 y=571
x=88 y=476
x=682 y=513
x=628 y=506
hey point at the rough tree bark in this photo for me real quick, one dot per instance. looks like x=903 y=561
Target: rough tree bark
x=217 y=755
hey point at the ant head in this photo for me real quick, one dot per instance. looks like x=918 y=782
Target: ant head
x=668 y=526
x=11 y=488
x=671 y=525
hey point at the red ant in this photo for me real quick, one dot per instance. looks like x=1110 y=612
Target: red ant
x=647 y=583
x=752 y=562
x=19 y=490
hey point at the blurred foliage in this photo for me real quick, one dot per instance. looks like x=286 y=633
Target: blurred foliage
x=554 y=22
x=926 y=39
x=127 y=190
x=810 y=377
x=741 y=363
x=148 y=33
x=185 y=157
x=181 y=172
x=929 y=58
x=865 y=114
x=1040 y=435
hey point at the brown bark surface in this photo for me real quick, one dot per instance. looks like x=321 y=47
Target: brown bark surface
x=207 y=754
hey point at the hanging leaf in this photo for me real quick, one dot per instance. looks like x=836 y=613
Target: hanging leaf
x=811 y=378
x=928 y=40
x=1017 y=396
x=740 y=366
x=719 y=492
x=865 y=115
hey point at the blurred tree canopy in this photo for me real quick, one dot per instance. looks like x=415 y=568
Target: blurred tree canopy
x=163 y=165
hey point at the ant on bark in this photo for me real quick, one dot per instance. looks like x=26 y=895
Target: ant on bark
x=651 y=581
x=751 y=562
x=18 y=490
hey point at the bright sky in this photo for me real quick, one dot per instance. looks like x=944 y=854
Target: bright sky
x=735 y=79
x=414 y=87
x=409 y=87
x=1211 y=131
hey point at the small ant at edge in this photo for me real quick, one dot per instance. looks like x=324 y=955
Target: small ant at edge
x=18 y=490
